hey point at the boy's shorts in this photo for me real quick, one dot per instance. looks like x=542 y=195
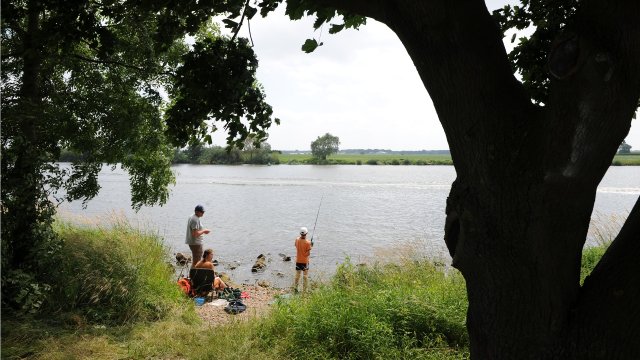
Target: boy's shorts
x=301 y=266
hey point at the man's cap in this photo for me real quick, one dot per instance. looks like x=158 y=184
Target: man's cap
x=303 y=231
x=199 y=208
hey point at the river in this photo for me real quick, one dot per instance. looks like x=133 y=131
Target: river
x=365 y=211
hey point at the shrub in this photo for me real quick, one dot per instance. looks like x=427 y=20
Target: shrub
x=113 y=276
x=372 y=162
x=376 y=312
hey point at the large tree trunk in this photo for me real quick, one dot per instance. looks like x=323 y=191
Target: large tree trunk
x=519 y=210
x=25 y=204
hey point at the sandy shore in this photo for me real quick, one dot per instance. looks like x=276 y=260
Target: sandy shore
x=258 y=304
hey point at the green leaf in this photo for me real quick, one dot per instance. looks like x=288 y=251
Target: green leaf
x=335 y=28
x=250 y=12
x=230 y=24
x=310 y=45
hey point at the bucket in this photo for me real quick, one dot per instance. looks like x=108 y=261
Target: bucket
x=199 y=301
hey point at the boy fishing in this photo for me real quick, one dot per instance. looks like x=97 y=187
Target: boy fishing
x=303 y=251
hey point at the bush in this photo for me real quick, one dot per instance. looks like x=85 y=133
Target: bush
x=113 y=276
x=379 y=312
x=372 y=162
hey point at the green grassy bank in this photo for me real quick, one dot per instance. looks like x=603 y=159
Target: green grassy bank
x=632 y=159
x=116 y=298
x=370 y=159
x=410 y=159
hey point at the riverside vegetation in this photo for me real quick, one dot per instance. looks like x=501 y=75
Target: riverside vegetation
x=114 y=296
x=217 y=155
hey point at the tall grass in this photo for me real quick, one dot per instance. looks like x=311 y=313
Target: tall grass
x=112 y=275
x=602 y=231
x=407 y=309
x=411 y=310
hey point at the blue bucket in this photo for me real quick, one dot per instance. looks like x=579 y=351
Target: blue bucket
x=199 y=301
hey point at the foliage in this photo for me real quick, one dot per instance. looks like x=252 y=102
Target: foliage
x=370 y=159
x=113 y=275
x=324 y=146
x=87 y=77
x=529 y=56
x=415 y=308
x=393 y=311
x=257 y=151
x=297 y=9
x=217 y=155
x=624 y=148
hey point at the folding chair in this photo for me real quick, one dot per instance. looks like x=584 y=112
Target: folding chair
x=201 y=281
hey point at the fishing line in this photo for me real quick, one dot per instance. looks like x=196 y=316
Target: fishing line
x=318 y=214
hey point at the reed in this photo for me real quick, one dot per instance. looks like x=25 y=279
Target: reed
x=112 y=274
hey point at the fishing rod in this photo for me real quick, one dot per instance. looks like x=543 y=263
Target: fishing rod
x=314 y=224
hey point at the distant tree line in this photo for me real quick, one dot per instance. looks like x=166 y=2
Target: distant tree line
x=218 y=155
x=624 y=148
x=211 y=155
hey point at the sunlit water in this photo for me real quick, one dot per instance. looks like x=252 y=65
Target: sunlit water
x=256 y=210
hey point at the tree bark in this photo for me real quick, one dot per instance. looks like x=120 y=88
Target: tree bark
x=25 y=202
x=519 y=210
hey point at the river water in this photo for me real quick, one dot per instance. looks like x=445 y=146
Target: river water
x=256 y=210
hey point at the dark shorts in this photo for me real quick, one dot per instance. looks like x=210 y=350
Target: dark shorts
x=301 y=266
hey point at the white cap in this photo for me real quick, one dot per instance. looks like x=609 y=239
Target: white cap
x=303 y=231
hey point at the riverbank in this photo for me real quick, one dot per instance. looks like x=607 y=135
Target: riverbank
x=404 y=307
x=259 y=303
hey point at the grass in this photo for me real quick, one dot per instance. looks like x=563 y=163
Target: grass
x=632 y=159
x=112 y=275
x=411 y=159
x=410 y=308
x=371 y=159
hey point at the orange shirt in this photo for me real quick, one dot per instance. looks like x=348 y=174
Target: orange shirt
x=303 y=250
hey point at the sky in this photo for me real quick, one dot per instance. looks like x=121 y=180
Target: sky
x=360 y=86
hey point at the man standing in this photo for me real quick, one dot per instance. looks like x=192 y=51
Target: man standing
x=194 y=234
x=303 y=250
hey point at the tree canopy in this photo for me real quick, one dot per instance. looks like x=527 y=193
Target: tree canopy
x=117 y=83
x=324 y=146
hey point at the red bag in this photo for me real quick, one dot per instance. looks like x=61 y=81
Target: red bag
x=185 y=286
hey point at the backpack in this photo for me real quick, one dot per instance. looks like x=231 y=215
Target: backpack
x=185 y=286
x=235 y=307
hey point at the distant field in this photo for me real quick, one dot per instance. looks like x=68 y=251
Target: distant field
x=410 y=159
x=371 y=159
x=628 y=159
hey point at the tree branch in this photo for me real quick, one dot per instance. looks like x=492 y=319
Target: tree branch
x=595 y=90
x=118 y=63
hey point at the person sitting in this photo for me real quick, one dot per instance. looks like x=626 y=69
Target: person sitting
x=207 y=263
